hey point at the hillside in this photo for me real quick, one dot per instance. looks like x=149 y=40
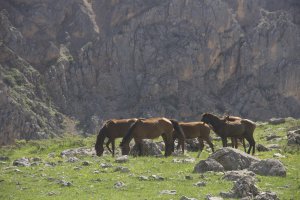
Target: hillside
x=93 y=60
x=52 y=172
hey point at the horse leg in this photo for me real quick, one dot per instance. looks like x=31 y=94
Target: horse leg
x=201 y=146
x=210 y=144
x=107 y=145
x=168 y=144
x=244 y=144
x=224 y=141
x=232 y=142
x=113 y=147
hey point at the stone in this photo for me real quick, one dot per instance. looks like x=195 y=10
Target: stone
x=243 y=187
x=187 y=198
x=122 y=159
x=268 y=167
x=122 y=169
x=185 y=160
x=233 y=159
x=272 y=136
x=72 y=159
x=78 y=152
x=273 y=146
x=65 y=183
x=276 y=121
x=235 y=175
x=119 y=184
x=172 y=192
x=278 y=155
x=106 y=165
x=200 y=184
x=293 y=137
x=188 y=177
x=86 y=163
x=208 y=165
x=143 y=178
x=261 y=148
x=149 y=148
x=4 y=158
x=156 y=177
x=266 y=196
x=210 y=197
x=21 y=162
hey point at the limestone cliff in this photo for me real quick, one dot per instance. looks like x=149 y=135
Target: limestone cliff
x=95 y=60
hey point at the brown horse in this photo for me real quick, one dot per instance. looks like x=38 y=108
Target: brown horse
x=197 y=130
x=112 y=129
x=234 y=140
x=239 y=129
x=149 y=129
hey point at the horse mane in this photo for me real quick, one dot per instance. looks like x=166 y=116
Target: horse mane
x=128 y=135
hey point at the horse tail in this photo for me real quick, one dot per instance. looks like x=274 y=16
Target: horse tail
x=128 y=137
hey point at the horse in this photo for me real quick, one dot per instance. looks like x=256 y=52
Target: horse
x=149 y=129
x=240 y=128
x=234 y=141
x=112 y=129
x=197 y=130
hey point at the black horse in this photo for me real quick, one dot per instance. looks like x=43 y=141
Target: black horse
x=243 y=128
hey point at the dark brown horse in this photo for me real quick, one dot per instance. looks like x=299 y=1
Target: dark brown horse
x=238 y=129
x=112 y=129
x=149 y=129
x=234 y=140
x=197 y=130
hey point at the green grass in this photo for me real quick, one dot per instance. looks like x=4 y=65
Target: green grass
x=40 y=181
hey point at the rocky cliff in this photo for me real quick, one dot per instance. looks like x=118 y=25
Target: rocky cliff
x=94 y=60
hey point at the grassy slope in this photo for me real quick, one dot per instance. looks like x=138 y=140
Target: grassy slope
x=37 y=182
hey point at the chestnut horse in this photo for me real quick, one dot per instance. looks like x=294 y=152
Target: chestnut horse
x=149 y=129
x=112 y=129
x=240 y=128
x=197 y=130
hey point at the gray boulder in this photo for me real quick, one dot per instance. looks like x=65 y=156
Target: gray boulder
x=149 y=148
x=208 y=165
x=244 y=187
x=293 y=137
x=268 y=167
x=266 y=196
x=261 y=148
x=233 y=159
x=78 y=152
x=122 y=159
x=235 y=175
x=21 y=162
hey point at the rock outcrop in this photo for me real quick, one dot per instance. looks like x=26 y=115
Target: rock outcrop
x=95 y=60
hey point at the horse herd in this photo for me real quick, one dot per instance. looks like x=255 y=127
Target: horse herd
x=170 y=130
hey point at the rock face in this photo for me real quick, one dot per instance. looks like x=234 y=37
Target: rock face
x=96 y=60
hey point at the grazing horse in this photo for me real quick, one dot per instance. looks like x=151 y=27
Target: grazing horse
x=240 y=129
x=197 y=130
x=234 y=141
x=112 y=129
x=149 y=129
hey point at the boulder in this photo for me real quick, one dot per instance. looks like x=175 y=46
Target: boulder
x=293 y=137
x=187 y=198
x=233 y=159
x=209 y=197
x=122 y=159
x=244 y=187
x=21 y=162
x=208 y=165
x=261 y=148
x=266 y=196
x=275 y=121
x=149 y=148
x=235 y=175
x=268 y=167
